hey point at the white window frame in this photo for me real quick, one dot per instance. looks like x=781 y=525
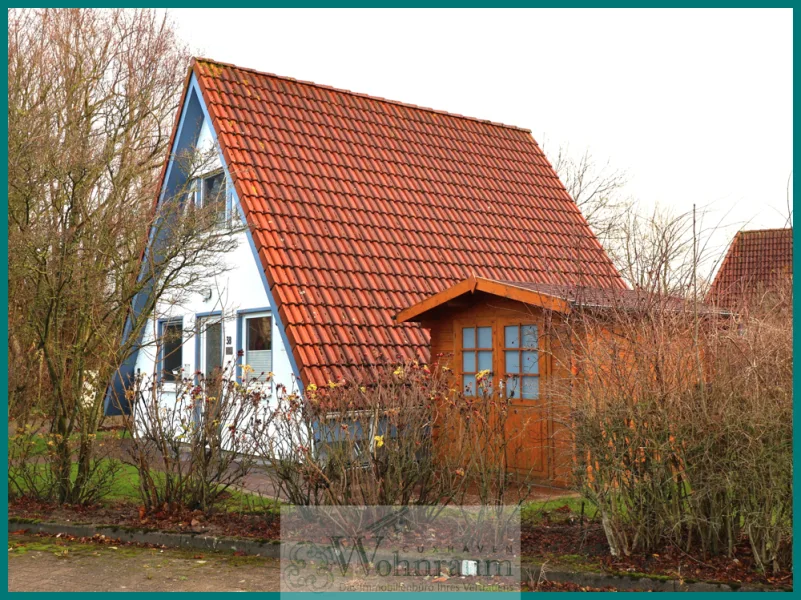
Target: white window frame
x=202 y=324
x=196 y=194
x=160 y=357
x=244 y=341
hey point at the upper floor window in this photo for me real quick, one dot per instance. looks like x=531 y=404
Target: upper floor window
x=476 y=356
x=211 y=190
x=521 y=361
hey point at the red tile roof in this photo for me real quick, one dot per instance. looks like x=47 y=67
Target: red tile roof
x=757 y=261
x=361 y=206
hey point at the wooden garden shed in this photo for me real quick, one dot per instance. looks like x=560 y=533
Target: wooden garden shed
x=517 y=334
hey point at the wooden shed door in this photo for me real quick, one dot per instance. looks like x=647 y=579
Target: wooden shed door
x=525 y=367
x=527 y=436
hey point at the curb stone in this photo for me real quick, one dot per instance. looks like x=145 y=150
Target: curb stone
x=635 y=583
x=272 y=549
x=195 y=541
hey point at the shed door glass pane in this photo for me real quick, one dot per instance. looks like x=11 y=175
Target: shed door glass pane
x=469 y=384
x=476 y=356
x=521 y=361
x=530 y=336
x=530 y=387
x=468 y=337
x=485 y=360
x=512 y=362
x=530 y=362
x=468 y=362
x=511 y=336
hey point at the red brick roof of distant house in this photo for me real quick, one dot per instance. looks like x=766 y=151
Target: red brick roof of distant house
x=361 y=207
x=757 y=261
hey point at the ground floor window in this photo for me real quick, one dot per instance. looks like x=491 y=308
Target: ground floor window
x=258 y=346
x=210 y=330
x=171 y=359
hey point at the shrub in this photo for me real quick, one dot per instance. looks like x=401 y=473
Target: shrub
x=361 y=443
x=37 y=467
x=683 y=429
x=403 y=436
x=190 y=446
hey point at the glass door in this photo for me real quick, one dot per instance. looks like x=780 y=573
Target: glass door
x=211 y=355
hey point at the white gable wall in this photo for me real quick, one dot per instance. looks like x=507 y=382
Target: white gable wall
x=241 y=290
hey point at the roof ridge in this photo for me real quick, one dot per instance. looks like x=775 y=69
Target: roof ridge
x=199 y=59
x=747 y=231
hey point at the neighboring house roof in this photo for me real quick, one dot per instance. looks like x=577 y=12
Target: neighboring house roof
x=757 y=261
x=560 y=298
x=361 y=207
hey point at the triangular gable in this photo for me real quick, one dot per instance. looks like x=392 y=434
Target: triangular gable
x=478 y=284
x=193 y=130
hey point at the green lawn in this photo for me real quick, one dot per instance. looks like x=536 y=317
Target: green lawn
x=125 y=488
x=533 y=512
x=39 y=446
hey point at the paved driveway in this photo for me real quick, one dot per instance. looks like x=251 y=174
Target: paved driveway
x=47 y=564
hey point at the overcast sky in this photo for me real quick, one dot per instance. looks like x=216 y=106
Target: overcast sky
x=696 y=105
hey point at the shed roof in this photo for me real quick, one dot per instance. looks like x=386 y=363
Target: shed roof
x=361 y=207
x=560 y=298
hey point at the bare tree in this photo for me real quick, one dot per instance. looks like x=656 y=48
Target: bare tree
x=596 y=188
x=92 y=99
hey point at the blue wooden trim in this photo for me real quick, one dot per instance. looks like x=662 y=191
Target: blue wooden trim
x=211 y=313
x=195 y=374
x=281 y=328
x=239 y=329
x=245 y=311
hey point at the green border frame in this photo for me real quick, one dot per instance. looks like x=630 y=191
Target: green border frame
x=407 y=4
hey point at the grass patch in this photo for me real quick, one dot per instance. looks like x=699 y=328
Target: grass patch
x=534 y=512
x=64 y=549
x=38 y=442
x=566 y=562
x=125 y=488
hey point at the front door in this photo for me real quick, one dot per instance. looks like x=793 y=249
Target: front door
x=211 y=355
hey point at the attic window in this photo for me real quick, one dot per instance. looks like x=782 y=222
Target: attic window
x=214 y=190
x=211 y=191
